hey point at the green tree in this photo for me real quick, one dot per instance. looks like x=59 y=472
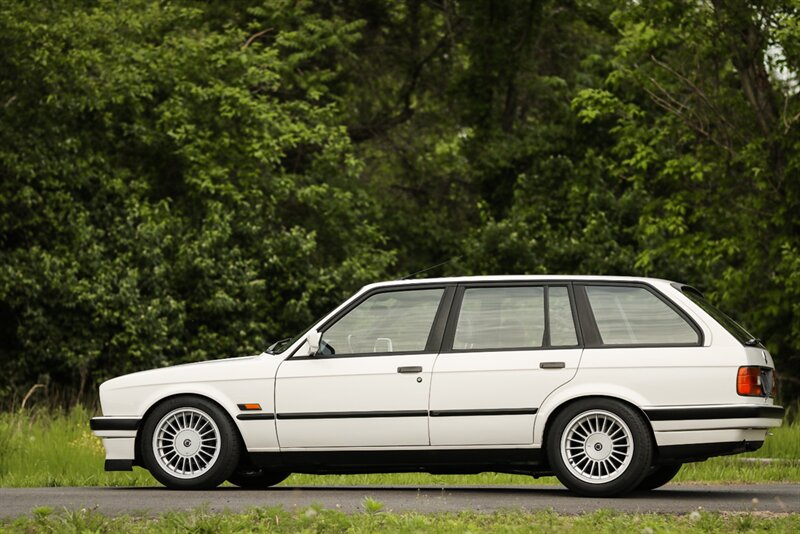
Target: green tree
x=170 y=192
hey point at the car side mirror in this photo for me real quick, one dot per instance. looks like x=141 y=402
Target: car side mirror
x=313 y=340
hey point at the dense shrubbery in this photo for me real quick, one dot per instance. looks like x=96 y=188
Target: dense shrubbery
x=189 y=180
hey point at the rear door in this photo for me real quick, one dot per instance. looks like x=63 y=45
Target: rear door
x=506 y=347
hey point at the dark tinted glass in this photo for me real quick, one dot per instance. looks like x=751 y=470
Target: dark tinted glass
x=735 y=329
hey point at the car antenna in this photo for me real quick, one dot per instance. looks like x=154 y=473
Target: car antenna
x=406 y=277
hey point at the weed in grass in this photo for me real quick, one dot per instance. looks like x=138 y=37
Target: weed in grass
x=371 y=506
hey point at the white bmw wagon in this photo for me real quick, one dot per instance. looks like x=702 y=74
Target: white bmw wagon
x=608 y=383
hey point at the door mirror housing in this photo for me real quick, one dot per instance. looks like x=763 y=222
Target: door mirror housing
x=313 y=340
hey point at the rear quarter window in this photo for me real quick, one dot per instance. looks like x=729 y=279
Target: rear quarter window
x=628 y=315
x=734 y=328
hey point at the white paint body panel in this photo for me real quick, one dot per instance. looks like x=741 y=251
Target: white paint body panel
x=494 y=380
x=353 y=384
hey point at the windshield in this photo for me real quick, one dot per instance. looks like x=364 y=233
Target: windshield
x=734 y=328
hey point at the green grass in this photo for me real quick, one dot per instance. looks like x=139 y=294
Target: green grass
x=58 y=449
x=375 y=520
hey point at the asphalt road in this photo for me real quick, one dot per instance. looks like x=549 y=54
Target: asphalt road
x=671 y=499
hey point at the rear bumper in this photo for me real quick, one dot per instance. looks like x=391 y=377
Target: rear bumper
x=119 y=439
x=702 y=451
x=692 y=433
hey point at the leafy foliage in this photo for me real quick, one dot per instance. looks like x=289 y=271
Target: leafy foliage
x=189 y=180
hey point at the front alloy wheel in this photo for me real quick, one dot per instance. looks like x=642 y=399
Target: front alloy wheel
x=189 y=443
x=186 y=442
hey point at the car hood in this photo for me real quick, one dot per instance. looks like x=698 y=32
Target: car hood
x=210 y=370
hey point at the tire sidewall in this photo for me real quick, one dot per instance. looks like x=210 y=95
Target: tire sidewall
x=230 y=448
x=658 y=476
x=257 y=478
x=636 y=470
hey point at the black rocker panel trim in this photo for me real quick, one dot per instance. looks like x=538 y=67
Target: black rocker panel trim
x=716 y=412
x=463 y=413
x=255 y=416
x=698 y=452
x=106 y=423
x=119 y=465
x=404 y=461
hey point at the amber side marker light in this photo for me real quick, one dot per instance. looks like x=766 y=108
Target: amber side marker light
x=249 y=406
x=748 y=382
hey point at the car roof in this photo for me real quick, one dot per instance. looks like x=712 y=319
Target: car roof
x=519 y=278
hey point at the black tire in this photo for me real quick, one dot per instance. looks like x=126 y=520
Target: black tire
x=215 y=442
x=658 y=476
x=256 y=478
x=624 y=451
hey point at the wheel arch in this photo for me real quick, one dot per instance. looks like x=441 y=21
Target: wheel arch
x=557 y=409
x=138 y=441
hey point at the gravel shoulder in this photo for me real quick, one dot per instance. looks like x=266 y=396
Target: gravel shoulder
x=674 y=498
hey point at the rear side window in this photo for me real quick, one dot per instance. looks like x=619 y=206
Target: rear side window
x=501 y=318
x=515 y=318
x=635 y=316
x=562 y=324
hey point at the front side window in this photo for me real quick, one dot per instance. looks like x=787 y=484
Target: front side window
x=395 y=321
x=635 y=316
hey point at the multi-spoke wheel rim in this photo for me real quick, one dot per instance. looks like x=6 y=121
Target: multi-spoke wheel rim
x=186 y=443
x=597 y=446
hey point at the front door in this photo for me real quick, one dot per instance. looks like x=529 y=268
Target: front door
x=506 y=350
x=369 y=384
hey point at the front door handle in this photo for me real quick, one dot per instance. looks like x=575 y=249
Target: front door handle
x=410 y=369
x=552 y=365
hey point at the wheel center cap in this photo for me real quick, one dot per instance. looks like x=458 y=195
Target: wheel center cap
x=598 y=446
x=187 y=442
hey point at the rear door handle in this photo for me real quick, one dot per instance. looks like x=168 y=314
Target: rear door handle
x=552 y=365
x=410 y=369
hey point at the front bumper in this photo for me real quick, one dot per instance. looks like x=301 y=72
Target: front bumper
x=119 y=439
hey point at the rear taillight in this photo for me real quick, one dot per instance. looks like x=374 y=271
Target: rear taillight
x=755 y=381
x=748 y=383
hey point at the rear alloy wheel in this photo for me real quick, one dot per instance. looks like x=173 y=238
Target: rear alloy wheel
x=599 y=448
x=256 y=478
x=189 y=443
x=658 y=476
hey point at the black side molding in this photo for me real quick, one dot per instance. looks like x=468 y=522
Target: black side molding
x=119 y=465
x=464 y=413
x=399 y=413
x=715 y=412
x=113 y=423
x=255 y=416
x=352 y=415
